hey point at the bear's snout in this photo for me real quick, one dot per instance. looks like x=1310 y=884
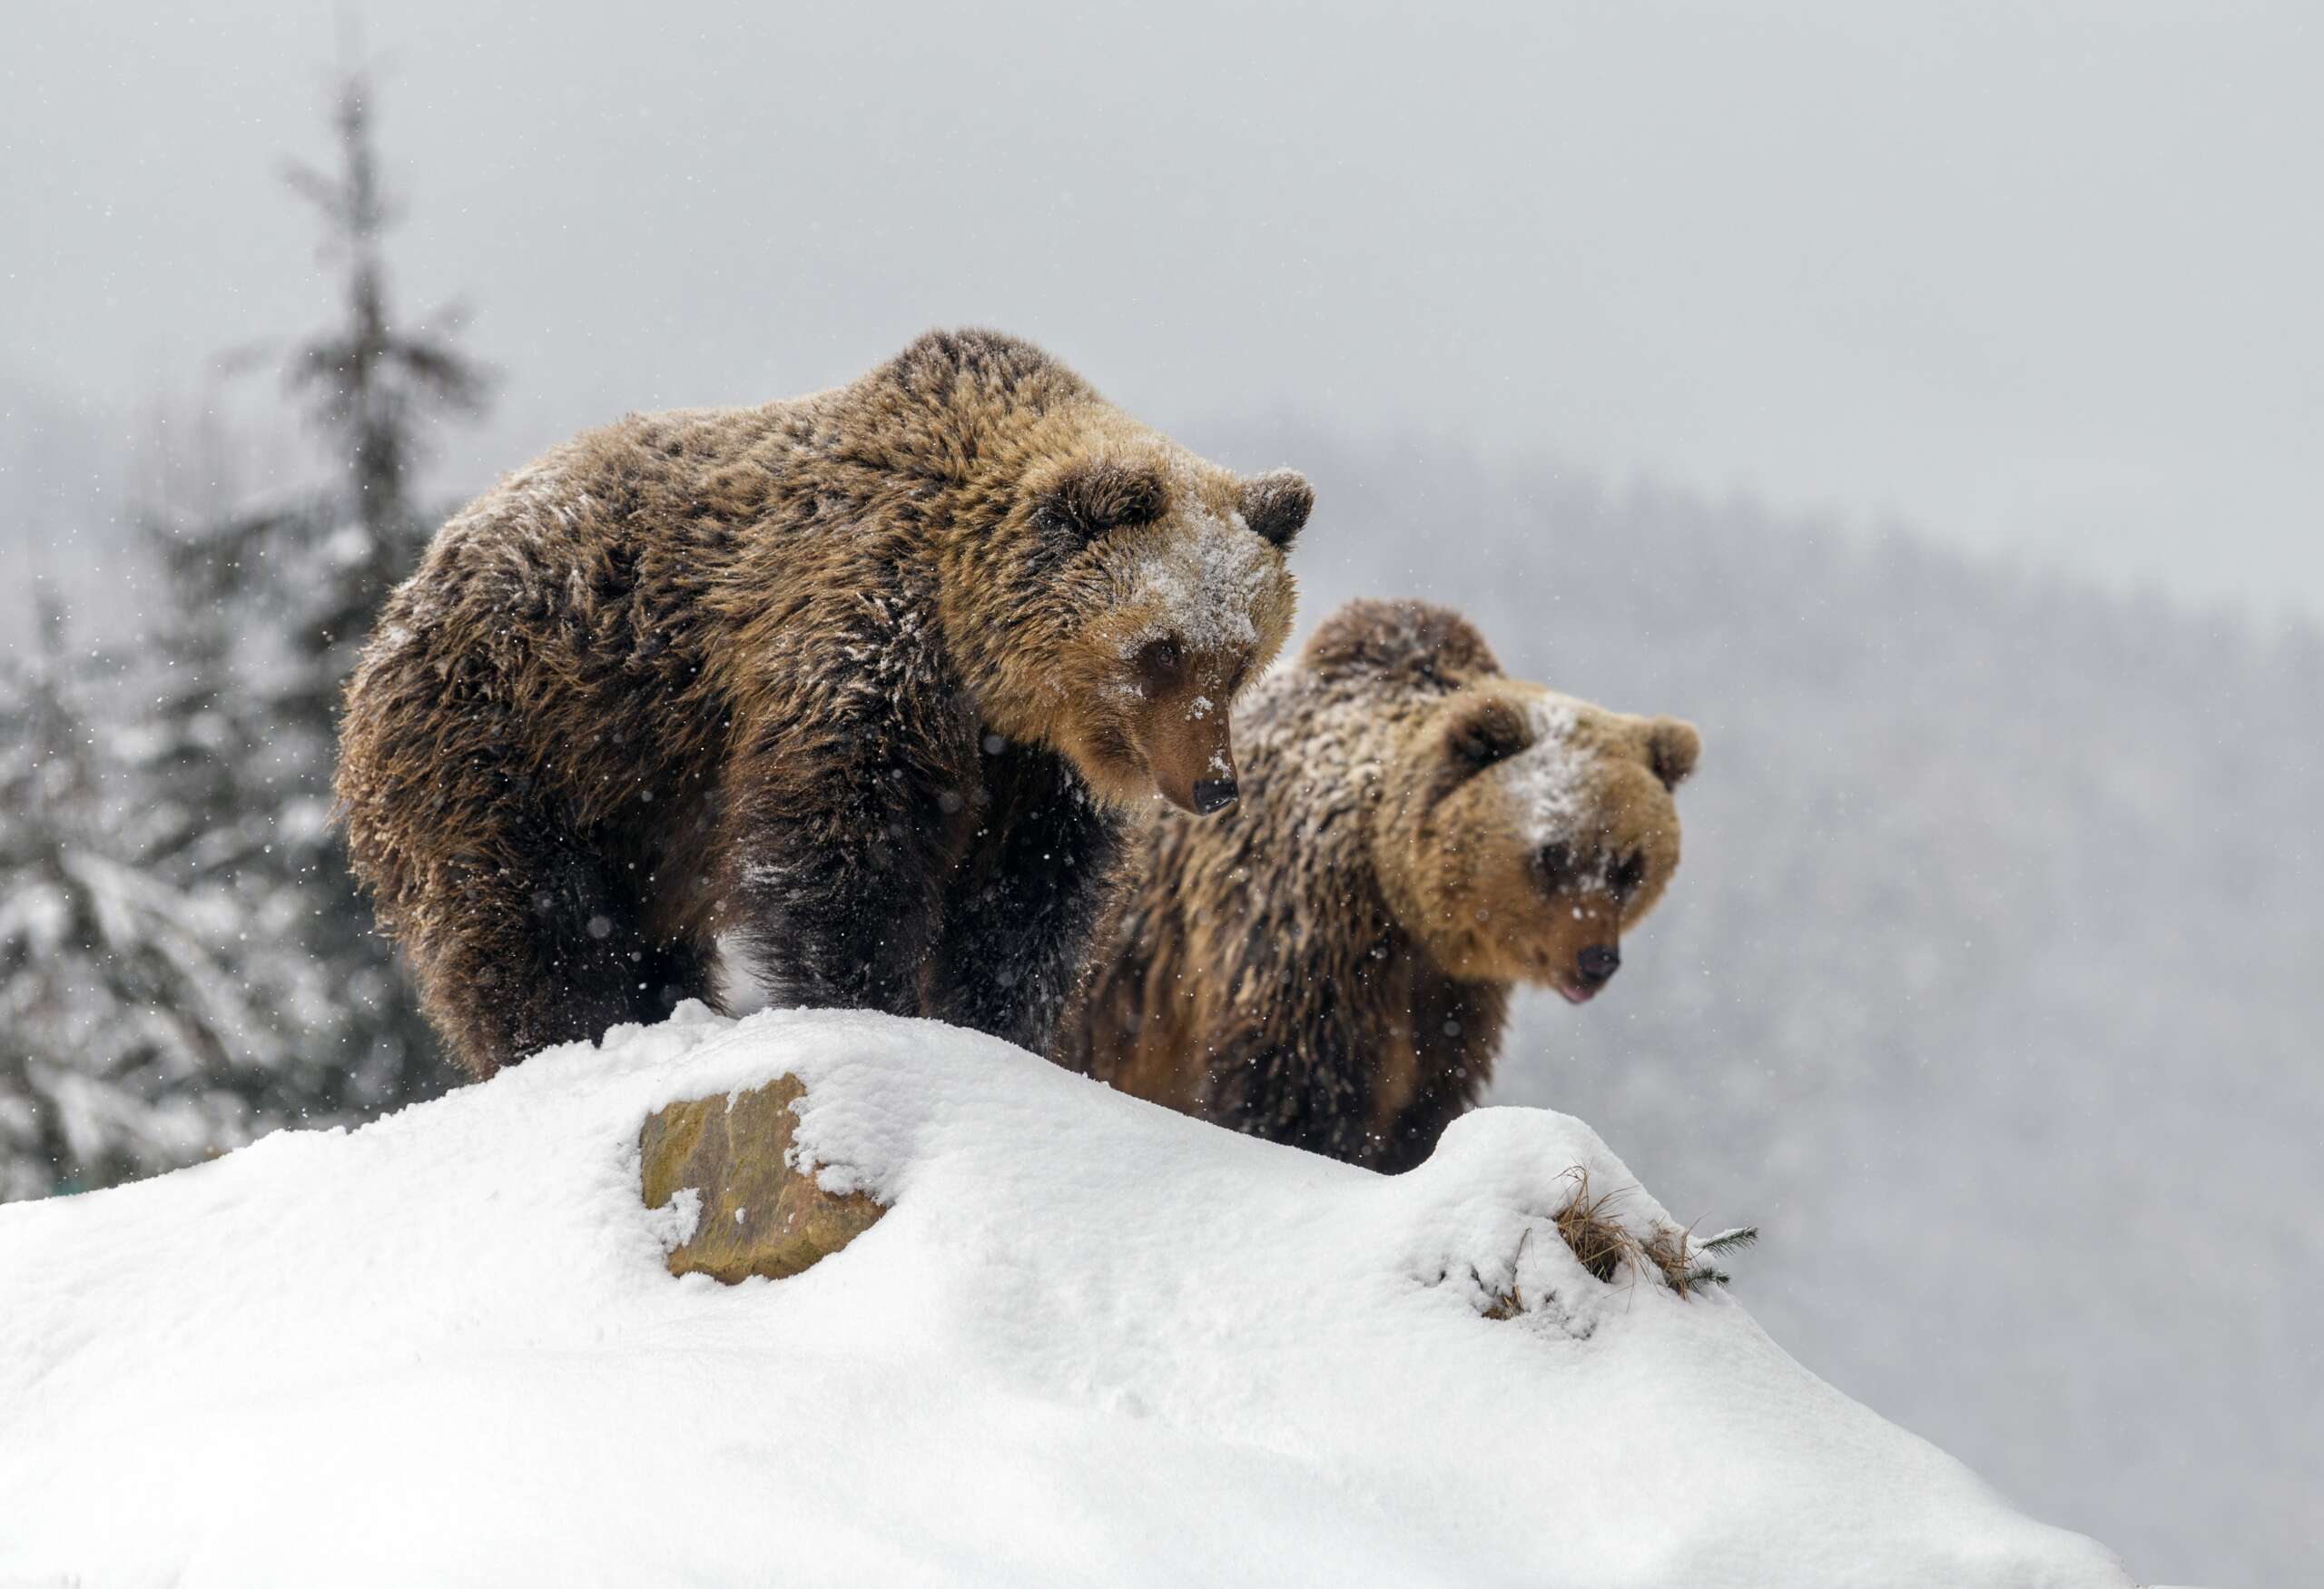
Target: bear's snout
x=1213 y=795
x=1593 y=968
x=1191 y=757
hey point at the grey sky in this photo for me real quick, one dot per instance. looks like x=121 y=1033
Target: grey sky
x=2039 y=277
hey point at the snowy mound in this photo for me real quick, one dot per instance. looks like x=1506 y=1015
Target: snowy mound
x=1090 y=1342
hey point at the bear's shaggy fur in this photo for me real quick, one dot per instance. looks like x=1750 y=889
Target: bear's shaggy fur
x=862 y=679
x=1329 y=965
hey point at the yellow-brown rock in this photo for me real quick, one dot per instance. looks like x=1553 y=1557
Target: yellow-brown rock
x=759 y=1215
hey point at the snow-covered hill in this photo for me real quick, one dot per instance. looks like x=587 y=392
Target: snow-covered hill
x=1993 y=883
x=1090 y=1343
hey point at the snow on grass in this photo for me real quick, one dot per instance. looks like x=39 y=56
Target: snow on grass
x=1090 y=1343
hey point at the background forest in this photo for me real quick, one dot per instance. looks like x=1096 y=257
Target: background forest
x=1988 y=989
x=184 y=961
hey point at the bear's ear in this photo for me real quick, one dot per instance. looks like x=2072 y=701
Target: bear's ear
x=1672 y=748
x=1276 y=504
x=1096 y=495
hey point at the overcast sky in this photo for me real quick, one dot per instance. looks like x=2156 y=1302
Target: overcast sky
x=2039 y=277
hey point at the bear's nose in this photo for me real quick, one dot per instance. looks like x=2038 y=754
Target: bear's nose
x=1598 y=963
x=1213 y=795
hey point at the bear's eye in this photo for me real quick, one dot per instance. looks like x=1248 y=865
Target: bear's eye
x=1627 y=872
x=1160 y=662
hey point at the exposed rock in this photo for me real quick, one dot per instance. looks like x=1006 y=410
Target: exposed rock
x=758 y=1214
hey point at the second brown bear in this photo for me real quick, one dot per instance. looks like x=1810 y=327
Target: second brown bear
x=1330 y=964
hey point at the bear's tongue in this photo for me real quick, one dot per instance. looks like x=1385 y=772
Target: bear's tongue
x=1577 y=995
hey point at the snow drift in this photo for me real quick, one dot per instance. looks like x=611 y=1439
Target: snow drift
x=1089 y=1342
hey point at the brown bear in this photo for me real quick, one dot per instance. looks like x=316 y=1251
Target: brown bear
x=863 y=682
x=1330 y=964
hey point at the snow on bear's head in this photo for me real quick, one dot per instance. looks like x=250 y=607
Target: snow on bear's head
x=1152 y=589
x=1519 y=833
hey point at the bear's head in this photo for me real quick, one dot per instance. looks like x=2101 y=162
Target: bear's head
x=1139 y=589
x=1519 y=833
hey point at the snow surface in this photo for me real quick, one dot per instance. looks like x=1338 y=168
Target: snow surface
x=1092 y=1342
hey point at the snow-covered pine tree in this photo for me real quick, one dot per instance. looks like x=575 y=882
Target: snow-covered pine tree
x=128 y=1044
x=203 y=813
x=372 y=386
x=184 y=958
x=209 y=792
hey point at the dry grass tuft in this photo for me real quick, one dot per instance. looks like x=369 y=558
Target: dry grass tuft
x=1603 y=1246
x=1591 y=1230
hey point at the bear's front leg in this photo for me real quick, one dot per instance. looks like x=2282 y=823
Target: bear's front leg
x=836 y=844
x=1023 y=906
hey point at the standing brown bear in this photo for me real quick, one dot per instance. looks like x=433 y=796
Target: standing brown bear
x=864 y=680
x=1330 y=964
